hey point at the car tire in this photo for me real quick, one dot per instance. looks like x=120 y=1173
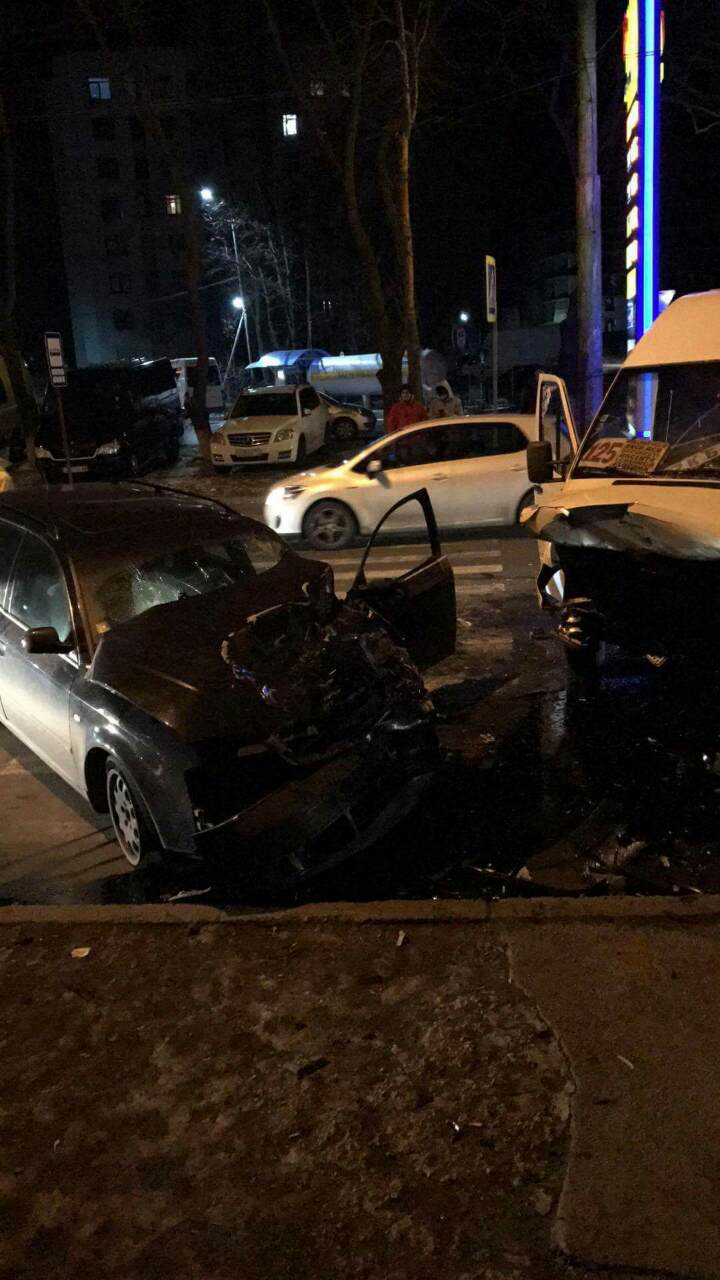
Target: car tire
x=172 y=453
x=528 y=500
x=329 y=526
x=133 y=830
x=585 y=664
x=344 y=429
x=301 y=454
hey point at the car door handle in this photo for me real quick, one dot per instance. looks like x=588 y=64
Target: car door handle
x=438 y=477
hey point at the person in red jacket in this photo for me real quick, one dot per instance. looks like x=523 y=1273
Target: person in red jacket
x=406 y=411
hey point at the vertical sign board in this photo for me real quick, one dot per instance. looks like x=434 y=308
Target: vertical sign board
x=58 y=380
x=491 y=317
x=643 y=37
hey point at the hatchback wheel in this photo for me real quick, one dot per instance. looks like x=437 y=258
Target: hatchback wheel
x=132 y=831
x=329 y=526
x=344 y=429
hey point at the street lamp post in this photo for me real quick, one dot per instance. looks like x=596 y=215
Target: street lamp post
x=242 y=293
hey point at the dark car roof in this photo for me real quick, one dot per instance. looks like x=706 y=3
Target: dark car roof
x=95 y=518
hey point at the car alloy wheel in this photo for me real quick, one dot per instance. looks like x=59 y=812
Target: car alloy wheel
x=344 y=429
x=330 y=526
x=131 y=831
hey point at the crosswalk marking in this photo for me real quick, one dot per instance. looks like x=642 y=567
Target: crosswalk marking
x=478 y=569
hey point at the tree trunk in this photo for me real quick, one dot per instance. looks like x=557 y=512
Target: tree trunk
x=193 y=267
x=27 y=413
x=412 y=336
x=308 y=303
x=589 y=230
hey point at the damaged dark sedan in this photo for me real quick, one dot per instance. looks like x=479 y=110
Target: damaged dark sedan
x=188 y=672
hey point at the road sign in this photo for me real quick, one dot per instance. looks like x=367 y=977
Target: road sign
x=460 y=338
x=58 y=379
x=55 y=360
x=490 y=290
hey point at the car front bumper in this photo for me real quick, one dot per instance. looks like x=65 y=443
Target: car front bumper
x=311 y=823
x=283 y=513
x=229 y=455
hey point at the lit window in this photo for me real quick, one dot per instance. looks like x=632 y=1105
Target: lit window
x=317 y=89
x=631 y=285
x=290 y=125
x=173 y=205
x=633 y=119
x=633 y=186
x=99 y=89
x=633 y=220
x=631 y=254
x=633 y=152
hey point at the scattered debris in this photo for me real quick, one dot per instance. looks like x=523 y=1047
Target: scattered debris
x=523 y=874
x=402 y=938
x=309 y=1068
x=185 y=893
x=626 y=1062
x=542 y=1201
x=79 y=953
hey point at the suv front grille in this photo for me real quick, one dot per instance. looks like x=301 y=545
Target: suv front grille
x=250 y=441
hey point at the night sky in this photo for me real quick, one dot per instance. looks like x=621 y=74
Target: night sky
x=491 y=171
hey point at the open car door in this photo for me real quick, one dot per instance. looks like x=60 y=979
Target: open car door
x=419 y=605
x=554 y=418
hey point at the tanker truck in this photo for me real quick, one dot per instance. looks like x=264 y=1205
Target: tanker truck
x=352 y=378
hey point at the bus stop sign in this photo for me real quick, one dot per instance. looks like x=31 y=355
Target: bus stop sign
x=55 y=360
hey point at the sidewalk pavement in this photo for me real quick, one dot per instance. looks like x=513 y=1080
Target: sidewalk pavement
x=526 y=1092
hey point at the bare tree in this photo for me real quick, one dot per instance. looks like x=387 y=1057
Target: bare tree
x=374 y=52
x=9 y=352
x=153 y=115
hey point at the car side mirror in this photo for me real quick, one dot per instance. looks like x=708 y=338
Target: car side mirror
x=306 y=413
x=540 y=462
x=45 y=640
x=374 y=467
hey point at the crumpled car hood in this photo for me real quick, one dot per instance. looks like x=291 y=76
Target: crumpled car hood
x=294 y=669
x=168 y=660
x=678 y=519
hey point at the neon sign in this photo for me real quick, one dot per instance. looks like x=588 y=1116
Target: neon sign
x=643 y=39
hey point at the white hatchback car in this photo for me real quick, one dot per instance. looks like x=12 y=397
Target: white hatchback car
x=272 y=424
x=473 y=468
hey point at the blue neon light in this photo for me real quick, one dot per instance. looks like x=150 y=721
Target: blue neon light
x=649 y=54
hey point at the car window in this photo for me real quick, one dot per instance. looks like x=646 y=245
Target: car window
x=412 y=450
x=308 y=398
x=147 y=579
x=10 y=539
x=488 y=439
x=38 y=594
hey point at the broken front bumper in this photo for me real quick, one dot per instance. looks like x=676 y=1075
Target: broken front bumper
x=311 y=823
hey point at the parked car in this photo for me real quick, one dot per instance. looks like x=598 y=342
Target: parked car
x=348 y=420
x=473 y=468
x=628 y=520
x=186 y=671
x=272 y=424
x=121 y=420
x=185 y=369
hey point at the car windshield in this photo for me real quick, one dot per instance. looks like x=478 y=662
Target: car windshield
x=279 y=405
x=128 y=586
x=657 y=421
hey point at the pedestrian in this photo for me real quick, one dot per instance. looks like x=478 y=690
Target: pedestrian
x=444 y=404
x=406 y=411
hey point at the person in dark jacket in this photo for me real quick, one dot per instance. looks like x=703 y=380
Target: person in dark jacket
x=406 y=411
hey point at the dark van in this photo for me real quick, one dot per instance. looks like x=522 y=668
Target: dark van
x=121 y=420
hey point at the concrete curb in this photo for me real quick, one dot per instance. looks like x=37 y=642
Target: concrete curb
x=539 y=911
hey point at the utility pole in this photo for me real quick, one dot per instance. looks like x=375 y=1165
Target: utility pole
x=589 y=229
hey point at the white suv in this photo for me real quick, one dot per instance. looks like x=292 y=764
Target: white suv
x=272 y=424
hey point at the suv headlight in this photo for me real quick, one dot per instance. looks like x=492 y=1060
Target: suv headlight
x=286 y=433
x=42 y=452
x=112 y=446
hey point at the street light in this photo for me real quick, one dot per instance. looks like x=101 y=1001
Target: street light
x=464 y=317
x=238 y=303
x=206 y=194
